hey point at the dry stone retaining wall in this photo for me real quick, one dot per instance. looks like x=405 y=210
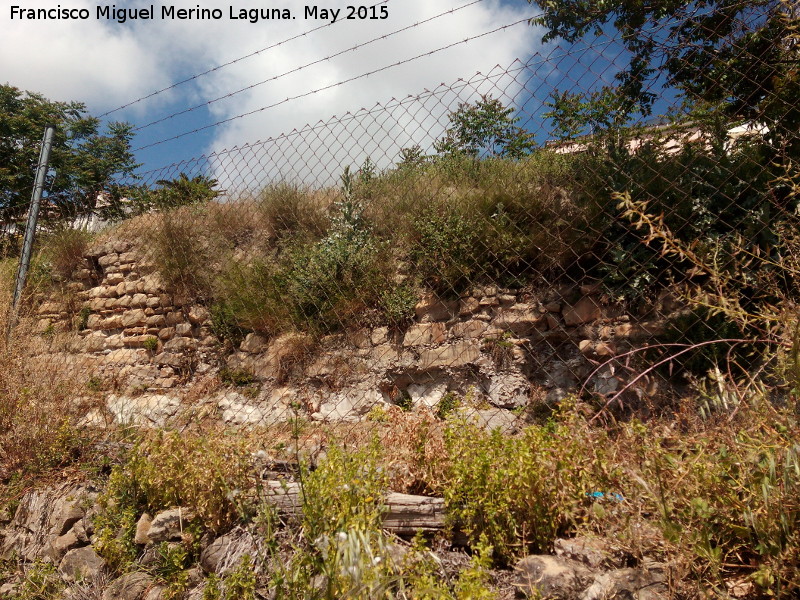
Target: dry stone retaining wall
x=495 y=349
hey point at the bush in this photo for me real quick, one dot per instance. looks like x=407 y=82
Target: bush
x=183 y=254
x=65 y=251
x=519 y=494
x=728 y=497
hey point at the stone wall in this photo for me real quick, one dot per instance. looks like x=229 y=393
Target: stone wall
x=493 y=353
x=128 y=325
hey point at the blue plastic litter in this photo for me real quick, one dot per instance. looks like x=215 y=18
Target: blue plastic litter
x=613 y=495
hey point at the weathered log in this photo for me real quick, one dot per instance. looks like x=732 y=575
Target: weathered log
x=405 y=513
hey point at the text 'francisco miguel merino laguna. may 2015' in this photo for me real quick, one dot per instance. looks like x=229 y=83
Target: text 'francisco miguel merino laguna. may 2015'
x=110 y=12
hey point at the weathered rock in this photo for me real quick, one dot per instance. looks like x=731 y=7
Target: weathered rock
x=225 y=553
x=428 y=395
x=468 y=306
x=379 y=335
x=129 y=587
x=63 y=544
x=142 y=528
x=383 y=356
x=595 y=553
x=347 y=406
x=522 y=319
x=183 y=329
x=94 y=342
x=151 y=284
x=134 y=318
x=452 y=356
x=423 y=334
x=432 y=308
x=81 y=564
x=360 y=338
x=253 y=343
x=41 y=518
x=329 y=364
x=108 y=259
x=147 y=409
x=469 y=329
x=543 y=576
x=180 y=344
x=508 y=390
x=237 y=410
x=157 y=592
x=585 y=310
x=198 y=315
x=139 y=301
x=625 y=584
x=169 y=525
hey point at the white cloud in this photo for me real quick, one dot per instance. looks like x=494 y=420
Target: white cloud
x=106 y=64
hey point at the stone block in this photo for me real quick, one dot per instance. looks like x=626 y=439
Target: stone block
x=81 y=564
x=469 y=329
x=108 y=260
x=451 y=356
x=423 y=334
x=134 y=318
x=432 y=308
x=585 y=310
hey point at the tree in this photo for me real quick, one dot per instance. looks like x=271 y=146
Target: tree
x=738 y=55
x=486 y=128
x=83 y=161
x=182 y=191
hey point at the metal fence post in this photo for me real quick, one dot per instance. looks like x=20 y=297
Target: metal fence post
x=30 y=229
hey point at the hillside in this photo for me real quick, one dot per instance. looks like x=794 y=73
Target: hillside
x=560 y=383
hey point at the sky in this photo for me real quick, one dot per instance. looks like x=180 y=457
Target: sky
x=106 y=65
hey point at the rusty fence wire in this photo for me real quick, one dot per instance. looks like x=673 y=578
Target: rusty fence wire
x=481 y=250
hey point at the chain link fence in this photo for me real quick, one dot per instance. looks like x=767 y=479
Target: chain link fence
x=482 y=250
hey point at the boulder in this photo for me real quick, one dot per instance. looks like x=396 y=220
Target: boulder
x=142 y=528
x=521 y=319
x=42 y=517
x=147 y=409
x=585 y=310
x=423 y=334
x=169 y=525
x=432 y=308
x=508 y=390
x=454 y=355
x=225 y=553
x=132 y=586
x=543 y=576
x=81 y=564
x=254 y=343
x=469 y=329
x=624 y=584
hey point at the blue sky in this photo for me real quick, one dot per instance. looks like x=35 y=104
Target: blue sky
x=108 y=65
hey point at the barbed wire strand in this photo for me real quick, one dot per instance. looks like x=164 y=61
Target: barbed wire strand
x=332 y=85
x=227 y=64
x=305 y=66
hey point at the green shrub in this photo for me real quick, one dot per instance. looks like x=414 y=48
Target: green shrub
x=237 y=377
x=345 y=492
x=164 y=470
x=40 y=582
x=519 y=493
x=65 y=250
x=729 y=497
x=397 y=304
x=444 y=250
x=182 y=254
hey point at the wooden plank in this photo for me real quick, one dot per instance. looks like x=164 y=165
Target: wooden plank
x=405 y=513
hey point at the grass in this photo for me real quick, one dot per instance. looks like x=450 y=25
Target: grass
x=712 y=489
